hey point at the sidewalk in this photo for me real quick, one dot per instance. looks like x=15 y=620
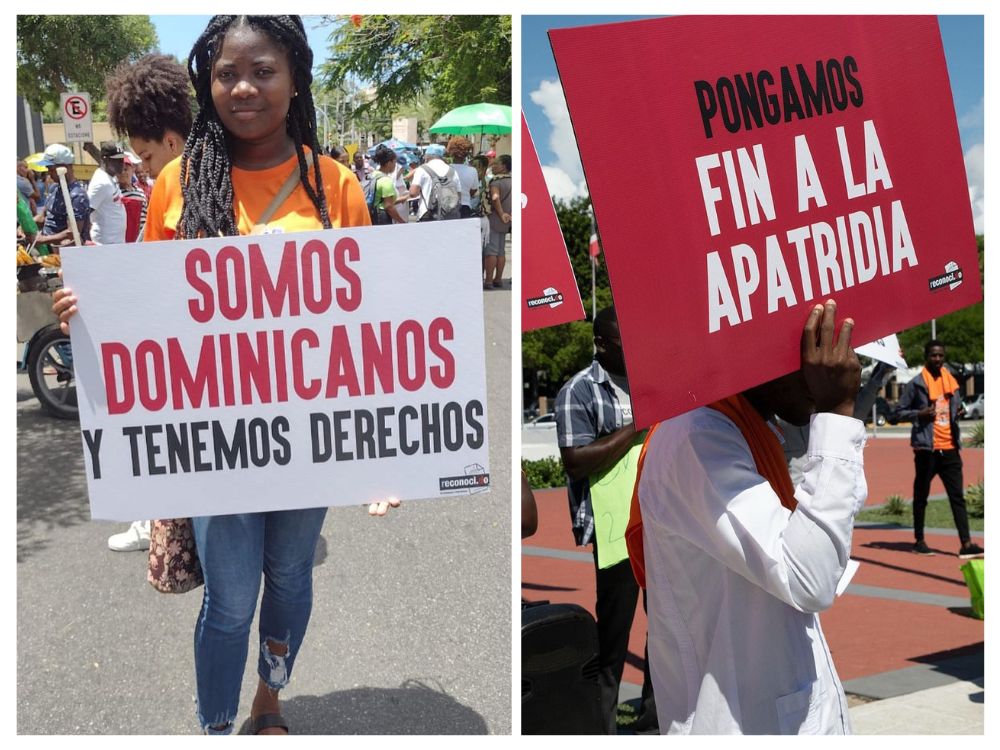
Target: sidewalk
x=956 y=708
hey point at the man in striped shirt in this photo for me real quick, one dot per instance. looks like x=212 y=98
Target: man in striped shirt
x=595 y=430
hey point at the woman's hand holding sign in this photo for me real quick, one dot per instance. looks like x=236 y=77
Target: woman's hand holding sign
x=64 y=306
x=381 y=507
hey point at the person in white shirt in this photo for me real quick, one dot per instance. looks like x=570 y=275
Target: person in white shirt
x=459 y=147
x=423 y=182
x=108 y=220
x=738 y=563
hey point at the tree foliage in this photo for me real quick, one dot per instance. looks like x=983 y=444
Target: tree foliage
x=574 y=219
x=962 y=331
x=457 y=59
x=561 y=351
x=56 y=54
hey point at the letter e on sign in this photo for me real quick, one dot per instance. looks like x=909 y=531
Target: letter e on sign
x=76 y=117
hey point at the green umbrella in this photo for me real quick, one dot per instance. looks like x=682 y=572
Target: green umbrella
x=475 y=119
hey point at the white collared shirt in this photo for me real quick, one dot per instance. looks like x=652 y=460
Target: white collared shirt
x=735 y=580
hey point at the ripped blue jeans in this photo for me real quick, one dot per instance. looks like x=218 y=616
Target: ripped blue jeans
x=234 y=551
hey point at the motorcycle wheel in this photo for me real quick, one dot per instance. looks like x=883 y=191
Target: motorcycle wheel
x=50 y=370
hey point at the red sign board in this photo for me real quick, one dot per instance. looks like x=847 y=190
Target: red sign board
x=794 y=159
x=549 y=295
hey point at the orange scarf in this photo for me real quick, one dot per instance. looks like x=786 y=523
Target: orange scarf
x=948 y=382
x=764 y=447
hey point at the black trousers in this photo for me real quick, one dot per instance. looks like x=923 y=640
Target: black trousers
x=948 y=466
x=617 y=595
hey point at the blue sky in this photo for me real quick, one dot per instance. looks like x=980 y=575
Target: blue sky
x=177 y=34
x=545 y=109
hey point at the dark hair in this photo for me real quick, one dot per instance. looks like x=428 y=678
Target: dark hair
x=336 y=151
x=206 y=163
x=383 y=155
x=930 y=344
x=459 y=147
x=604 y=320
x=481 y=159
x=149 y=97
x=505 y=160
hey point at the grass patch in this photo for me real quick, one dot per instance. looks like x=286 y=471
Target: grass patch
x=938 y=514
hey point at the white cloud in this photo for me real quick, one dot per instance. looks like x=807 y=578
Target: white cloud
x=974 y=174
x=973 y=118
x=561 y=186
x=564 y=178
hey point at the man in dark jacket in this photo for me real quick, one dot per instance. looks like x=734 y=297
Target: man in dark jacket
x=931 y=402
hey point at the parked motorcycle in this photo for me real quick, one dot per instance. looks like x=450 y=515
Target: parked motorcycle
x=47 y=356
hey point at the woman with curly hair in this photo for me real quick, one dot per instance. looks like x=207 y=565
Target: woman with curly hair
x=256 y=126
x=149 y=103
x=459 y=147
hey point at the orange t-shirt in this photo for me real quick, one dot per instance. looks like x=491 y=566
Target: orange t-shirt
x=942 y=413
x=253 y=191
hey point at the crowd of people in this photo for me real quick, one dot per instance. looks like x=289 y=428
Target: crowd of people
x=438 y=182
x=108 y=209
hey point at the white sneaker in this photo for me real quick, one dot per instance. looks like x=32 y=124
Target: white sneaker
x=136 y=538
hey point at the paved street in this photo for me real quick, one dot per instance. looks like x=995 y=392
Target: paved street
x=410 y=629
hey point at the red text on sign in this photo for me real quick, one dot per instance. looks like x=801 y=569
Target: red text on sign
x=312 y=278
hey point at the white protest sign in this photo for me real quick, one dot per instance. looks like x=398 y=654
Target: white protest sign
x=885 y=349
x=76 y=115
x=283 y=371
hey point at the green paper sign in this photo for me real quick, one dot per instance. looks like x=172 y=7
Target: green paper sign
x=611 y=498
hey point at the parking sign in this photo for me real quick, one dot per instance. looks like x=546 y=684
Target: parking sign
x=76 y=117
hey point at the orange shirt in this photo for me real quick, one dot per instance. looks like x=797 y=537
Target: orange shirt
x=942 y=413
x=253 y=191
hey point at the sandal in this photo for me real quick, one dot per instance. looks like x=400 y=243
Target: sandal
x=267 y=721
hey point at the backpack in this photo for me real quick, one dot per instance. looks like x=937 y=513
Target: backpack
x=369 y=191
x=445 y=199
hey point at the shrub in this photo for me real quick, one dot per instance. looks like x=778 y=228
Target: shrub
x=974 y=500
x=977 y=435
x=546 y=472
x=894 y=506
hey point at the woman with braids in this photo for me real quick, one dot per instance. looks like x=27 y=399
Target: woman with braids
x=256 y=125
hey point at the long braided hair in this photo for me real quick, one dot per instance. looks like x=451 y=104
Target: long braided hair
x=206 y=163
